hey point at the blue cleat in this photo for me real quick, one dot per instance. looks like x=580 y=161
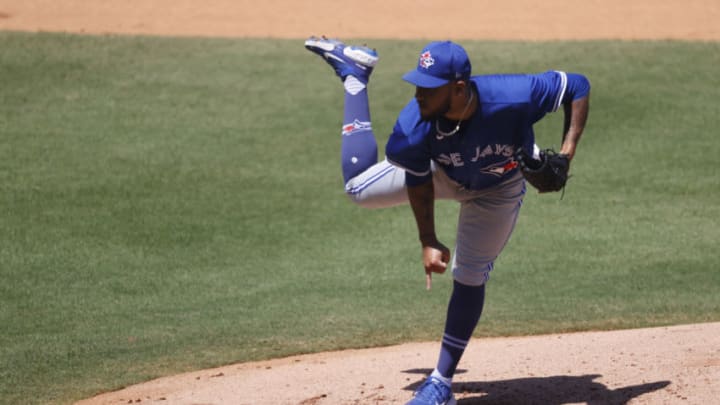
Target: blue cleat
x=433 y=392
x=357 y=61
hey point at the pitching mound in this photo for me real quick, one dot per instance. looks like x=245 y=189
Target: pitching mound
x=679 y=364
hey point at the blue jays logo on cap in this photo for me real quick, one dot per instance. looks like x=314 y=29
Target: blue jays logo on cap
x=440 y=63
x=426 y=60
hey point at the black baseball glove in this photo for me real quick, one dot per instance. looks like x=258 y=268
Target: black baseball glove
x=550 y=173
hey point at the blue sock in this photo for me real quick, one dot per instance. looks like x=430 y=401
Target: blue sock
x=463 y=314
x=359 y=148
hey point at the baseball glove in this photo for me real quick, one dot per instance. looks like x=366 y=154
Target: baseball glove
x=549 y=173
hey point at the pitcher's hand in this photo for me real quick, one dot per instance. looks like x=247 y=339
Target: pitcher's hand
x=435 y=259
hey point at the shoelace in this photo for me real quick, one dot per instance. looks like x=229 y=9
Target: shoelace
x=438 y=392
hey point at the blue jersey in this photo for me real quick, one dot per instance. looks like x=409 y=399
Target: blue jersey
x=480 y=155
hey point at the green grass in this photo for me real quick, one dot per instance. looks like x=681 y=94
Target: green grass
x=175 y=204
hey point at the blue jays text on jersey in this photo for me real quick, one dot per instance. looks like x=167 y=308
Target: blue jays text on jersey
x=480 y=155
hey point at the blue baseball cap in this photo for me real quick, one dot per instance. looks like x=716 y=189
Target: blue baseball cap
x=440 y=63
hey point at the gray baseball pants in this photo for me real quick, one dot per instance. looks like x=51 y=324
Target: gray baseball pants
x=486 y=221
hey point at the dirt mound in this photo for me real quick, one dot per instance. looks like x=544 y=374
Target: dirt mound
x=669 y=365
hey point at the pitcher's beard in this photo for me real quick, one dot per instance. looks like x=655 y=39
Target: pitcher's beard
x=437 y=114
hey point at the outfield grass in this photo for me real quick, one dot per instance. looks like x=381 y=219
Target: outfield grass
x=175 y=204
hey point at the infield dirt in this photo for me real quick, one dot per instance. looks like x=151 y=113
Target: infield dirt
x=667 y=365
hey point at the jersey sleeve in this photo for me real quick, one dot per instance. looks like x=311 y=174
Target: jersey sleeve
x=552 y=89
x=406 y=148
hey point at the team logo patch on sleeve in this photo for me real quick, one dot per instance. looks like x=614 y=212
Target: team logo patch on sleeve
x=356 y=126
x=426 y=60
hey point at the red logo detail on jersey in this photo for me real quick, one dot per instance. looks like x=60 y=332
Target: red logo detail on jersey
x=355 y=126
x=501 y=168
x=426 y=60
x=510 y=165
